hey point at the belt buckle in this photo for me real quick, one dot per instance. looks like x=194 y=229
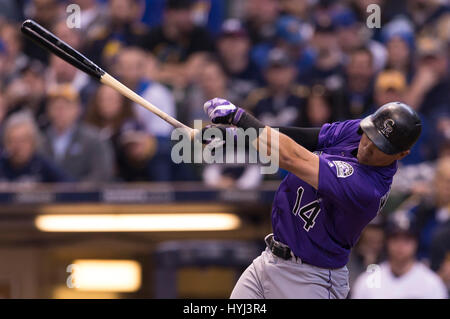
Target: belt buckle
x=273 y=245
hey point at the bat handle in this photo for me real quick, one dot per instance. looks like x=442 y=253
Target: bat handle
x=115 y=84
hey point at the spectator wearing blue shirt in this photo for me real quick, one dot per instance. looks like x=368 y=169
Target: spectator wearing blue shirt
x=398 y=37
x=433 y=210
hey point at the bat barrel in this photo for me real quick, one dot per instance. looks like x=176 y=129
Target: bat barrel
x=50 y=42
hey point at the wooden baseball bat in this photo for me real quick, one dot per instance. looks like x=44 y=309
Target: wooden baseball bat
x=50 y=42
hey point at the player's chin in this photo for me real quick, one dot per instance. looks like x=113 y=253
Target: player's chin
x=363 y=158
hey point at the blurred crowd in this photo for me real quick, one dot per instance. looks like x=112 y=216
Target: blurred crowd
x=289 y=62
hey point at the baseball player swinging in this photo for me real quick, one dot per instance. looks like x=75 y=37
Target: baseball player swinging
x=339 y=179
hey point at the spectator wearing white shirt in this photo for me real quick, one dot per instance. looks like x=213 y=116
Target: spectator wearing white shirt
x=401 y=276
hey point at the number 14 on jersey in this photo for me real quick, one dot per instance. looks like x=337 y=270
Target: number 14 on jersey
x=308 y=212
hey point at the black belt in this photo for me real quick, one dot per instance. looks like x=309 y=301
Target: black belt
x=279 y=249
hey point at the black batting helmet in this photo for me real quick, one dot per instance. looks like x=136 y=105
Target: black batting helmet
x=393 y=128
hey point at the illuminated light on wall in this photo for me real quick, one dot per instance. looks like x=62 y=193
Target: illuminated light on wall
x=136 y=222
x=106 y=275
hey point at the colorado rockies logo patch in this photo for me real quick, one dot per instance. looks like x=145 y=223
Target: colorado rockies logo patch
x=343 y=169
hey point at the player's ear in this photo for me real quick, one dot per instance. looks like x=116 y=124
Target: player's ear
x=401 y=155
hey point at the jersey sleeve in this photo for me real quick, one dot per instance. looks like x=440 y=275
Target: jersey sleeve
x=346 y=184
x=333 y=133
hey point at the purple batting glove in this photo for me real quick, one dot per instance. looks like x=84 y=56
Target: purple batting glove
x=221 y=111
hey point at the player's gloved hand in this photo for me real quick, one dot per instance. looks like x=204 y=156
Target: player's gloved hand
x=221 y=111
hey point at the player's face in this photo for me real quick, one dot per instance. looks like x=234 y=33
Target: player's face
x=369 y=154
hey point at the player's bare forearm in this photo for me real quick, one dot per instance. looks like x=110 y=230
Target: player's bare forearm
x=292 y=156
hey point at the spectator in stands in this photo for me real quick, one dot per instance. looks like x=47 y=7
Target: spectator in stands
x=3 y=111
x=318 y=109
x=12 y=10
x=440 y=252
x=27 y=92
x=11 y=49
x=109 y=111
x=260 y=17
x=121 y=28
x=233 y=48
x=430 y=211
x=298 y=8
x=130 y=66
x=418 y=179
x=60 y=72
x=351 y=36
x=92 y=13
x=431 y=82
x=141 y=158
x=112 y=114
x=426 y=14
x=429 y=89
x=232 y=176
x=360 y=9
x=328 y=60
x=46 y=13
x=398 y=37
x=19 y=161
x=72 y=36
x=178 y=43
x=368 y=251
x=3 y=61
x=212 y=82
x=356 y=97
x=390 y=85
x=76 y=147
x=280 y=103
x=292 y=36
x=401 y=276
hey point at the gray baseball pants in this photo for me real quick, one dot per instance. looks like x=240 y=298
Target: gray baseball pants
x=271 y=277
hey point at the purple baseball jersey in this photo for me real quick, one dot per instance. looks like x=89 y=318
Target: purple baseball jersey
x=321 y=226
